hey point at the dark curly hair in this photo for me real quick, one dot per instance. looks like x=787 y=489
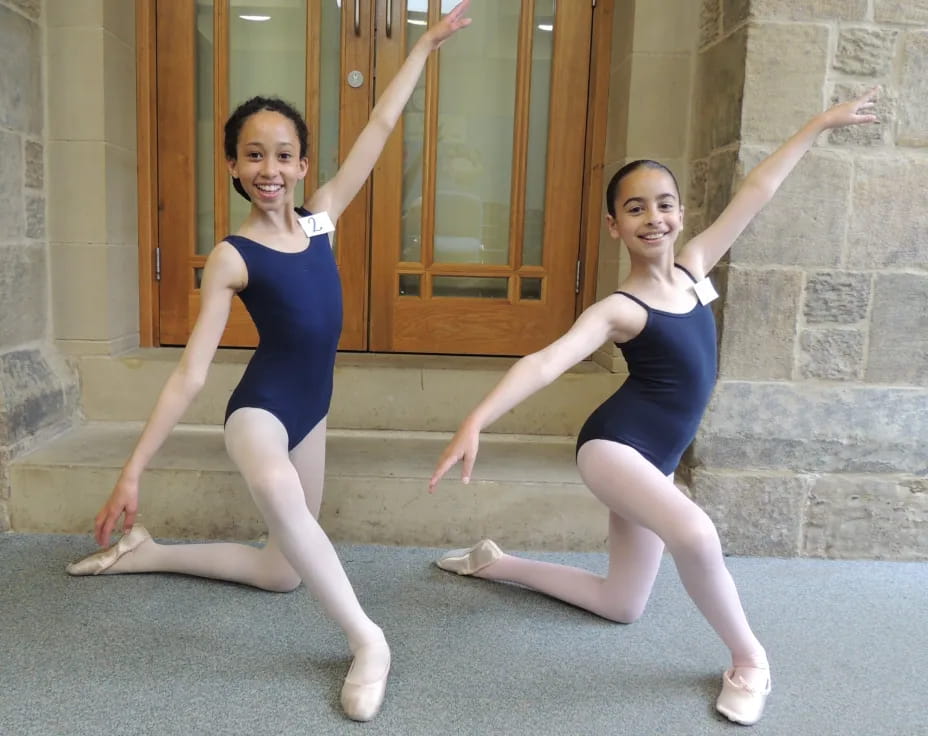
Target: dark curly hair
x=613 y=189
x=233 y=127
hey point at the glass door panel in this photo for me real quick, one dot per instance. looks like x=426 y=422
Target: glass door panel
x=488 y=228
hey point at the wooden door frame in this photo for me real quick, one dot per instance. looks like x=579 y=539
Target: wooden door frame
x=147 y=181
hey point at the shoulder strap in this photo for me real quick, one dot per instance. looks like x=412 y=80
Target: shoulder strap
x=302 y=211
x=633 y=298
x=682 y=268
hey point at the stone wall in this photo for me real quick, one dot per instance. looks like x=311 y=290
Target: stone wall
x=38 y=389
x=816 y=441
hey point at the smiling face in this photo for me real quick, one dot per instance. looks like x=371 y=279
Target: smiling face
x=648 y=214
x=268 y=163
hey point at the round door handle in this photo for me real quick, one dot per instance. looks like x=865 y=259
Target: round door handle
x=355 y=79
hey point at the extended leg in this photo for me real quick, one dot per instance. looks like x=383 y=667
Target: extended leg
x=257 y=443
x=634 y=558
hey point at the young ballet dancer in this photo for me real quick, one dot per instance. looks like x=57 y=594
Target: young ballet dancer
x=276 y=418
x=629 y=447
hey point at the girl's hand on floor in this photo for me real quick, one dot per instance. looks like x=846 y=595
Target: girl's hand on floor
x=464 y=446
x=123 y=500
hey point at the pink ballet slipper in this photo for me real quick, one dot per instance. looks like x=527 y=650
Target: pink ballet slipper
x=103 y=560
x=361 y=700
x=739 y=702
x=470 y=561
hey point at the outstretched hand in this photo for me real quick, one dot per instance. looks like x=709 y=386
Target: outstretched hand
x=449 y=25
x=123 y=500
x=853 y=112
x=464 y=446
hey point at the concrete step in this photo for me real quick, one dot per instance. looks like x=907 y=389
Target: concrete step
x=525 y=493
x=396 y=392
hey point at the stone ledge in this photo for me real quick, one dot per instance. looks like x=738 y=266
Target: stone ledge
x=814 y=427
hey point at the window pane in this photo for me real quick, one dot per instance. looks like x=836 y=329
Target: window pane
x=410 y=284
x=268 y=58
x=536 y=168
x=206 y=238
x=471 y=286
x=530 y=289
x=413 y=134
x=474 y=163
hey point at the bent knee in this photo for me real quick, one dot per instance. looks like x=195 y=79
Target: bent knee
x=281 y=581
x=699 y=540
x=624 y=612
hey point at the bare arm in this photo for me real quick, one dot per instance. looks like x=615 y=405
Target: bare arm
x=702 y=253
x=334 y=196
x=605 y=320
x=223 y=275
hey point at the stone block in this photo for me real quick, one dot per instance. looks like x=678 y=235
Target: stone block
x=831 y=354
x=761 y=309
x=836 y=297
x=823 y=10
x=782 y=89
x=806 y=222
x=12 y=221
x=814 y=427
x=710 y=22
x=734 y=13
x=667 y=28
x=866 y=134
x=696 y=191
x=119 y=19
x=122 y=225
x=867 y=517
x=661 y=130
x=34 y=155
x=620 y=80
x=913 y=91
x=35 y=218
x=23 y=293
x=885 y=228
x=719 y=83
x=21 y=72
x=119 y=112
x=76 y=95
x=901 y=11
x=32 y=8
x=723 y=173
x=898 y=335
x=31 y=395
x=755 y=513
x=865 y=52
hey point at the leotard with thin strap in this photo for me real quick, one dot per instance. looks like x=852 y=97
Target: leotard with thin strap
x=295 y=300
x=672 y=365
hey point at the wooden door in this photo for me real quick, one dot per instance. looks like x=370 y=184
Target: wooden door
x=478 y=197
x=212 y=55
x=467 y=238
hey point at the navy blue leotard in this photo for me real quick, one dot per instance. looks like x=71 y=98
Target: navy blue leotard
x=672 y=367
x=295 y=300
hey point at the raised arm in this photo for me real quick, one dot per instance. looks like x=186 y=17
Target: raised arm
x=702 y=252
x=335 y=195
x=603 y=321
x=222 y=276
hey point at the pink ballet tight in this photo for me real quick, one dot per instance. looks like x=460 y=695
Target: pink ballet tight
x=647 y=512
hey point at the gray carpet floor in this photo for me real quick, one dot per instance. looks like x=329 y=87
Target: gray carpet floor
x=163 y=654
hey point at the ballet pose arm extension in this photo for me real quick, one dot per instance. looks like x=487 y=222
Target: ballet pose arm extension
x=223 y=275
x=607 y=320
x=334 y=196
x=701 y=253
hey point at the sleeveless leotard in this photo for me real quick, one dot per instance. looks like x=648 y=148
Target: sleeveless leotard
x=295 y=300
x=672 y=367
